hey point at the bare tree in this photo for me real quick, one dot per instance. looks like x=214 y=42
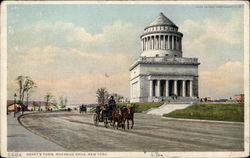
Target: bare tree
x=54 y=103
x=61 y=101
x=48 y=97
x=102 y=95
x=28 y=88
x=20 y=81
x=35 y=105
x=26 y=84
x=65 y=101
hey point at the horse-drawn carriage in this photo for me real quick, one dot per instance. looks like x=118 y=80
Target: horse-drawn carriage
x=102 y=115
x=111 y=116
x=83 y=109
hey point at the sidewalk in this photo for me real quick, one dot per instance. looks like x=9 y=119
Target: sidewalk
x=22 y=140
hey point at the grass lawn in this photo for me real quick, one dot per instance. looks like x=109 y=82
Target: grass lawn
x=139 y=107
x=220 y=112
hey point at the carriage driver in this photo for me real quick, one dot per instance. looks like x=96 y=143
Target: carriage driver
x=111 y=105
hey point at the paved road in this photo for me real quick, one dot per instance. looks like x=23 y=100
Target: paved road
x=76 y=132
x=20 y=139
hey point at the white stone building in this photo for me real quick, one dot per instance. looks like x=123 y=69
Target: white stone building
x=161 y=71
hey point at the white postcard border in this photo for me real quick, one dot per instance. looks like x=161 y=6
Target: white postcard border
x=3 y=87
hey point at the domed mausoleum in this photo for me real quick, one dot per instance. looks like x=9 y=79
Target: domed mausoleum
x=161 y=73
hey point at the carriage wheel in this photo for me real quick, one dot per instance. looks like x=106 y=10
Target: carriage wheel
x=95 y=119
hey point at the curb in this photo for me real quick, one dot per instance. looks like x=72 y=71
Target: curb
x=197 y=120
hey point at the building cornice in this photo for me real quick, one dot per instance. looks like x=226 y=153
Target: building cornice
x=173 y=62
x=161 y=25
x=173 y=74
x=164 y=32
x=138 y=76
x=170 y=74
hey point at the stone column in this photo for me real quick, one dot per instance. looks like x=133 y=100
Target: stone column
x=184 y=88
x=155 y=42
x=141 y=44
x=167 y=45
x=173 y=42
x=164 y=42
x=149 y=42
x=170 y=42
x=191 y=88
x=175 y=87
x=146 y=43
x=161 y=46
x=167 y=93
x=177 y=43
x=158 y=88
x=151 y=88
x=159 y=42
x=152 y=42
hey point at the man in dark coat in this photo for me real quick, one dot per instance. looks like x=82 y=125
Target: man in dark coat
x=111 y=106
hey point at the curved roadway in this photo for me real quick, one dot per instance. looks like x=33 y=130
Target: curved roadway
x=76 y=132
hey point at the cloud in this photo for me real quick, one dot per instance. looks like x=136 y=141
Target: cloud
x=46 y=55
x=66 y=60
x=115 y=38
x=61 y=43
x=214 y=40
x=225 y=81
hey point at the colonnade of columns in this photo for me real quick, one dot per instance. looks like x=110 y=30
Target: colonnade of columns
x=161 y=42
x=166 y=88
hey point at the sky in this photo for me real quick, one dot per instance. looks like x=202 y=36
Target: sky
x=68 y=49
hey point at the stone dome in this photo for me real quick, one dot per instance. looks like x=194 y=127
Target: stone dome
x=161 y=38
x=162 y=20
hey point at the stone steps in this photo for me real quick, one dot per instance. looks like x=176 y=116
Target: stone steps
x=167 y=108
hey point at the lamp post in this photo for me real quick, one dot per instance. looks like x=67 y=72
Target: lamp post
x=15 y=104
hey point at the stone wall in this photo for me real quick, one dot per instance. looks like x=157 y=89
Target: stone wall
x=196 y=86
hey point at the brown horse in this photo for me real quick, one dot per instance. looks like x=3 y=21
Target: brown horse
x=124 y=113
x=116 y=117
x=128 y=114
